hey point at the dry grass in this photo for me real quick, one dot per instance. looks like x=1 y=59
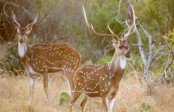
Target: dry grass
x=2 y=49
x=14 y=92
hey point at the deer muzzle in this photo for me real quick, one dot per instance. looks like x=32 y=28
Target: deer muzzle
x=21 y=41
x=128 y=55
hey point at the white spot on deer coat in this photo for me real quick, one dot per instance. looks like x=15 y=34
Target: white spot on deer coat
x=22 y=49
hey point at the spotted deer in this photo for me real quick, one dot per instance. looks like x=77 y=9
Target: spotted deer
x=43 y=59
x=103 y=80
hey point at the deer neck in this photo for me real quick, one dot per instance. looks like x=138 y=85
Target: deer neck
x=117 y=64
x=117 y=67
x=22 y=49
x=24 y=52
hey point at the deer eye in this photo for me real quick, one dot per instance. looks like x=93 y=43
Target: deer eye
x=120 y=47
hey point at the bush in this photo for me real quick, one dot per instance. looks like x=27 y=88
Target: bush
x=64 y=97
x=145 y=107
x=135 y=63
x=104 y=60
x=88 y=62
x=11 y=62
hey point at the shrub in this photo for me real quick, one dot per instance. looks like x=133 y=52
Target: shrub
x=135 y=63
x=88 y=62
x=64 y=97
x=11 y=62
x=145 y=107
x=104 y=60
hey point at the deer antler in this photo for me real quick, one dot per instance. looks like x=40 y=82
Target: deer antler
x=34 y=22
x=132 y=28
x=116 y=37
x=91 y=28
x=14 y=19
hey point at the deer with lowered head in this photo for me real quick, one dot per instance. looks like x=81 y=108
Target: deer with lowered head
x=43 y=59
x=103 y=80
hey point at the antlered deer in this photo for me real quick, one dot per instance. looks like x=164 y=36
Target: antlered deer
x=42 y=59
x=103 y=80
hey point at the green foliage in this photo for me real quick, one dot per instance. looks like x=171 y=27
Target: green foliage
x=88 y=62
x=145 y=107
x=11 y=62
x=104 y=60
x=135 y=63
x=64 y=97
x=169 y=38
x=162 y=56
x=99 y=61
x=35 y=40
x=158 y=15
x=102 y=14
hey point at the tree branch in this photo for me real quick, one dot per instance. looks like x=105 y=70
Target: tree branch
x=141 y=50
x=146 y=59
x=170 y=63
x=150 y=44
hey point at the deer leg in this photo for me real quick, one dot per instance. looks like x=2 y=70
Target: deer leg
x=105 y=103
x=84 y=103
x=69 y=78
x=32 y=82
x=112 y=100
x=111 y=103
x=75 y=96
x=45 y=82
x=69 y=87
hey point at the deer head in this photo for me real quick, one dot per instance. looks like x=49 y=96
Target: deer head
x=121 y=48
x=120 y=43
x=23 y=32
